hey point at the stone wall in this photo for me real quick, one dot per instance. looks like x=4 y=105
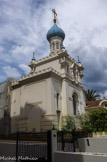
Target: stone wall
x=95 y=144
x=79 y=157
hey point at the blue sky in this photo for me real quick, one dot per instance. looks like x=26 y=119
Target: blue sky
x=24 y=25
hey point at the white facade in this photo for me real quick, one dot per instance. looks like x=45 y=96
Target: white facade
x=52 y=89
x=40 y=99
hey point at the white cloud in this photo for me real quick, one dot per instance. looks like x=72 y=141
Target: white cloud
x=25 y=68
x=22 y=54
x=23 y=28
x=11 y=72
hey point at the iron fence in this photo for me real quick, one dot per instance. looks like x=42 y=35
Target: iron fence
x=33 y=146
x=65 y=141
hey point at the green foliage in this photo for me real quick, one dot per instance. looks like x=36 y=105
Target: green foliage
x=91 y=95
x=70 y=129
x=95 y=120
x=85 y=122
x=68 y=123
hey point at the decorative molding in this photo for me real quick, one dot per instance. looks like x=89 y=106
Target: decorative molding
x=58 y=110
x=50 y=69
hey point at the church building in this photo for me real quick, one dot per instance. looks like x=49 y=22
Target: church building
x=51 y=90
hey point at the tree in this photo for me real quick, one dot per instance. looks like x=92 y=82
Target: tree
x=91 y=95
x=68 y=123
x=95 y=120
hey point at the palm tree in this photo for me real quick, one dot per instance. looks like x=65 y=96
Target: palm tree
x=91 y=95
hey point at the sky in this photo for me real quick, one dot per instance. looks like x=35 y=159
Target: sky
x=24 y=25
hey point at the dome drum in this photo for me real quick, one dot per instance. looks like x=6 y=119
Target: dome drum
x=55 y=38
x=56 y=43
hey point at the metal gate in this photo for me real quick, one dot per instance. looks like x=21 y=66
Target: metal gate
x=33 y=147
x=66 y=141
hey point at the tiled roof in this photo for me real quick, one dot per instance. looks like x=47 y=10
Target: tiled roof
x=93 y=103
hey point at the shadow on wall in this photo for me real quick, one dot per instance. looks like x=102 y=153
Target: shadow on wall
x=5 y=122
x=32 y=119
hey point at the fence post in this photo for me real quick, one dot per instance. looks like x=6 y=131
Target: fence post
x=53 y=144
x=63 y=143
x=17 y=137
x=73 y=138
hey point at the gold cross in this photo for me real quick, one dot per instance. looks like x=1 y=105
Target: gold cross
x=55 y=14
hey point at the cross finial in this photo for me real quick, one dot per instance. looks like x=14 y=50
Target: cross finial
x=33 y=56
x=55 y=14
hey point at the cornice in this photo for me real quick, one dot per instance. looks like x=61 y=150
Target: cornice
x=40 y=75
x=31 y=77
x=56 y=56
x=48 y=58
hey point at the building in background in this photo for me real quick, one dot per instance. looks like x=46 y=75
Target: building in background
x=5 y=122
x=93 y=105
x=53 y=88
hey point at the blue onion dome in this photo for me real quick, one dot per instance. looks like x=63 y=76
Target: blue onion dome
x=55 y=31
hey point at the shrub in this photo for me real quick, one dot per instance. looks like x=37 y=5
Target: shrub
x=68 y=123
x=94 y=120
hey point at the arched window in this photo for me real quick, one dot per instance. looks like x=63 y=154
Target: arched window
x=75 y=103
x=57 y=45
x=67 y=67
x=57 y=100
x=53 y=46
